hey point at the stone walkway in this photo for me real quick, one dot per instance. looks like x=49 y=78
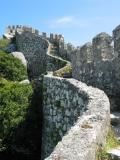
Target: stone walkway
x=115 y=122
x=115 y=153
x=52 y=53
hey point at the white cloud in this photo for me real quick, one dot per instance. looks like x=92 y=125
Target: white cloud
x=62 y=22
x=65 y=20
x=78 y=22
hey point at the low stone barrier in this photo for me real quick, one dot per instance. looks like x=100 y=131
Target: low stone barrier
x=76 y=119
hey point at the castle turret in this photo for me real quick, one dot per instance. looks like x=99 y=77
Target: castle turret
x=102 y=47
x=51 y=36
x=116 y=37
x=84 y=52
x=44 y=35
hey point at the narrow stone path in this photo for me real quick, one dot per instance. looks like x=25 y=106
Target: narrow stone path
x=114 y=153
x=52 y=52
x=115 y=123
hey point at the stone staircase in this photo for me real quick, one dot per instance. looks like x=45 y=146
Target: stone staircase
x=115 y=123
x=66 y=70
x=54 y=50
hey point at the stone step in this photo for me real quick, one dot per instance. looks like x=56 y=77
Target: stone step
x=115 y=118
x=54 y=47
x=116 y=130
x=53 y=51
x=115 y=123
x=114 y=153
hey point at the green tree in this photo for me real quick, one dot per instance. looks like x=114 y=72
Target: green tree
x=14 y=104
x=4 y=43
x=11 y=68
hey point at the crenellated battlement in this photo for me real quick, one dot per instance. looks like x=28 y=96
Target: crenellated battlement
x=64 y=49
x=85 y=53
x=68 y=102
x=19 y=28
x=98 y=63
x=11 y=30
x=100 y=49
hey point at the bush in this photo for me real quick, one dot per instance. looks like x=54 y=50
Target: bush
x=111 y=142
x=65 y=72
x=11 y=68
x=14 y=104
x=4 y=43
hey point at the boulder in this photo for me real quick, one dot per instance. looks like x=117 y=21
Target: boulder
x=26 y=81
x=20 y=56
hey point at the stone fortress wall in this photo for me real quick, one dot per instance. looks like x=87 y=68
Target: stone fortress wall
x=37 y=53
x=34 y=46
x=76 y=118
x=64 y=49
x=34 y=49
x=98 y=64
x=19 y=28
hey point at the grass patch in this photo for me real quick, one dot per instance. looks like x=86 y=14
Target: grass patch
x=111 y=142
x=4 y=43
x=67 y=70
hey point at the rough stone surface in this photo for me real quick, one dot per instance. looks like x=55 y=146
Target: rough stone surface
x=64 y=49
x=103 y=70
x=8 y=36
x=34 y=49
x=115 y=153
x=115 y=123
x=67 y=103
x=116 y=37
x=75 y=115
x=37 y=52
x=53 y=61
x=10 y=48
x=21 y=57
x=115 y=117
x=26 y=81
x=102 y=47
x=11 y=30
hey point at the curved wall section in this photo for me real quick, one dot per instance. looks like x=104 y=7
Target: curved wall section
x=76 y=116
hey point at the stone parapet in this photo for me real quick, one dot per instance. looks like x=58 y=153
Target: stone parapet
x=76 y=119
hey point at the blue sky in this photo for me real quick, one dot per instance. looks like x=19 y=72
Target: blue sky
x=78 y=20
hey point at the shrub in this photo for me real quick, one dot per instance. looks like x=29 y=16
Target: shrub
x=14 y=104
x=65 y=72
x=111 y=142
x=4 y=43
x=11 y=68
